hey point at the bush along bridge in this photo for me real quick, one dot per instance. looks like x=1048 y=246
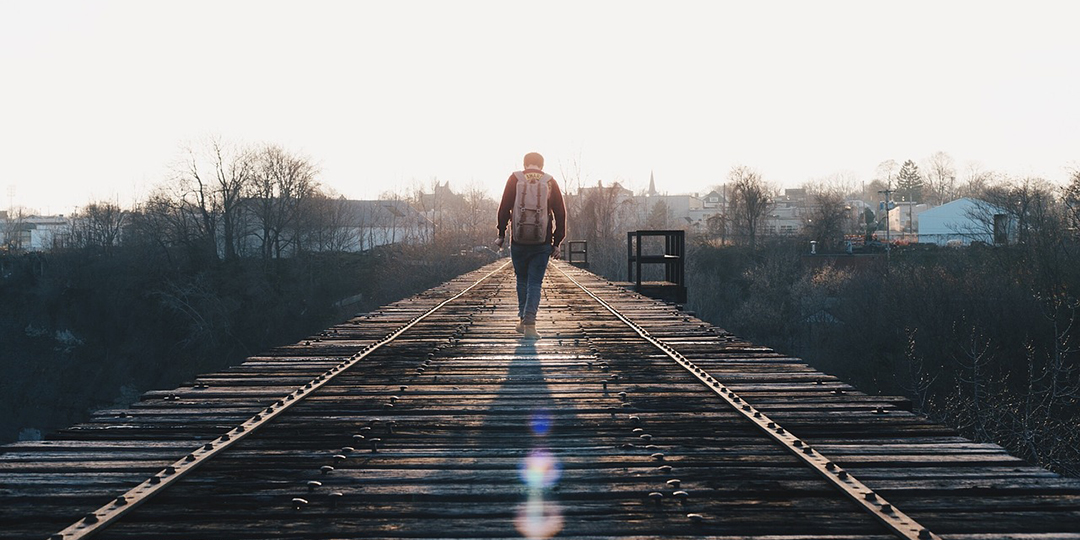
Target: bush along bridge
x=430 y=418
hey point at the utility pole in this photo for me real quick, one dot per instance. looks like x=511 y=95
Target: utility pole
x=911 y=218
x=888 y=236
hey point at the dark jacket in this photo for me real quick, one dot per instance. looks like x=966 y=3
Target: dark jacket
x=556 y=209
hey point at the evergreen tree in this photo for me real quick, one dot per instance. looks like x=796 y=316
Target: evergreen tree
x=909 y=183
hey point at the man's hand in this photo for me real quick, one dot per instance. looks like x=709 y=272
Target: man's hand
x=499 y=242
x=556 y=252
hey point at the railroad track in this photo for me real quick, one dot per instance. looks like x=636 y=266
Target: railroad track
x=429 y=418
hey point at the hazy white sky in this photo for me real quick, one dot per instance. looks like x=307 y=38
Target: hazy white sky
x=97 y=97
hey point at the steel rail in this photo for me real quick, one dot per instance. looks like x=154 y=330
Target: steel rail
x=108 y=514
x=896 y=521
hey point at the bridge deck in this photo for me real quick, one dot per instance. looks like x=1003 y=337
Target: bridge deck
x=443 y=424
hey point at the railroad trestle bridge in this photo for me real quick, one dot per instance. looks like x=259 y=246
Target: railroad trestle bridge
x=431 y=418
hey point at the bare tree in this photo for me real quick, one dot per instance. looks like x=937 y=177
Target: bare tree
x=1071 y=198
x=13 y=229
x=209 y=187
x=234 y=171
x=157 y=222
x=751 y=201
x=329 y=224
x=829 y=216
x=282 y=182
x=471 y=215
x=195 y=196
x=573 y=179
x=886 y=172
x=98 y=225
x=940 y=178
x=976 y=181
x=172 y=217
x=602 y=212
x=1030 y=205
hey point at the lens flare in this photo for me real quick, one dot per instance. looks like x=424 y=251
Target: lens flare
x=540 y=422
x=538 y=519
x=540 y=470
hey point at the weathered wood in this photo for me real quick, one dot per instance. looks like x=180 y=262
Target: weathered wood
x=451 y=464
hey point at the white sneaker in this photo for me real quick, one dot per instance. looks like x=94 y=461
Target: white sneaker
x=531 y=333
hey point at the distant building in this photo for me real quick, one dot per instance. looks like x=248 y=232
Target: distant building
x=714 y=200
x=904 y=217
x=435 y=205
x=689 y=212
x=788 y=214
x=33 y=233
x=350 y=226
x=796 y=196
x=370 y=224
x=964 y=221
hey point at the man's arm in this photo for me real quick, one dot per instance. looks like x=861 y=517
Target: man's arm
x=507 y=203
x=558 y=210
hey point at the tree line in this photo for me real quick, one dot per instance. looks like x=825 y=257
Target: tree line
x=984 y=339
x=240 y=250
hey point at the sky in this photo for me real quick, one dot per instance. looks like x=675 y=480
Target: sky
x=99 y=98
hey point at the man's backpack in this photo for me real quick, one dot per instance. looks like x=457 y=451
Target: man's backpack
x=530 y=214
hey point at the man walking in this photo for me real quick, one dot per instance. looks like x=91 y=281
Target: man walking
x=533 y=199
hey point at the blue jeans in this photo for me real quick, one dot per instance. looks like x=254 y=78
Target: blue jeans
x=530 y=262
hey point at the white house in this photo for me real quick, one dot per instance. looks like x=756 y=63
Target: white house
x=33 y=233
x=963 y=221
x=905 y=220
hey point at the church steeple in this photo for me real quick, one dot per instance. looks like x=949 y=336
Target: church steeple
x=652 y=184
